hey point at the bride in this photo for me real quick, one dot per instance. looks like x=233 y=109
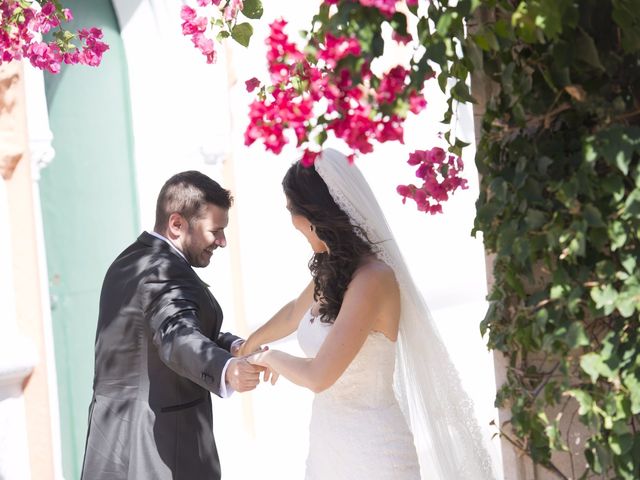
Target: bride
x=388 y=401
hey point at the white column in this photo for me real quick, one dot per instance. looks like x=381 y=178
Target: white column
x=41 y=154
x=17 y=360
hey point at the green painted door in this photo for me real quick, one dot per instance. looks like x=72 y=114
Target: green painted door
x=89 y=210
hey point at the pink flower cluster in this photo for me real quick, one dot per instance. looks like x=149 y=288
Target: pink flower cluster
x=195 y=27
x=199 y=21
x=440 y=174
x=387 y=7
x=352 y=112
x=22 y=26
x=231 y=10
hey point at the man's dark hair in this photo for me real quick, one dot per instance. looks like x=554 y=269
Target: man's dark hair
x=187 y=193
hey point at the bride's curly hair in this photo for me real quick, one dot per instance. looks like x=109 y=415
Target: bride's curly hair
x=348 y=244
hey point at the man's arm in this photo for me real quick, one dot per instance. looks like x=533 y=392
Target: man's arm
x=172 y=314
x=230 y=343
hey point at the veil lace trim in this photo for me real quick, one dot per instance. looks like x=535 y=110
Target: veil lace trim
x=438 y=410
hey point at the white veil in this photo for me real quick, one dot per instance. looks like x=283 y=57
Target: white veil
x=439 y=412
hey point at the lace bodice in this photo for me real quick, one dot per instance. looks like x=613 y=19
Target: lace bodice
x=368 y=379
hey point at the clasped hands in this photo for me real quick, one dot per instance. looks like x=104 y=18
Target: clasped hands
x=243 y=371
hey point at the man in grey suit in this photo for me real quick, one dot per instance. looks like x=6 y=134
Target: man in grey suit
x=159 y=350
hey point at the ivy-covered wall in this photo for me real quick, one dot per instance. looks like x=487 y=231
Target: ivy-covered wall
x=560 y=210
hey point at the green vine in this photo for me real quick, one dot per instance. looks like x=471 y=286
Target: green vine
x=559 y=159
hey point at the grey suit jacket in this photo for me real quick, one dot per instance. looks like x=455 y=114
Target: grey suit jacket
x=159 y=353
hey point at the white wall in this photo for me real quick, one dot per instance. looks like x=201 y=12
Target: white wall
x=183 y=116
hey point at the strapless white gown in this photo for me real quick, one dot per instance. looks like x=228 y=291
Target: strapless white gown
x=357 y=430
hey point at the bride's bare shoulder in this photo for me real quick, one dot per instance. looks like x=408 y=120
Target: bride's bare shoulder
x=374 y=269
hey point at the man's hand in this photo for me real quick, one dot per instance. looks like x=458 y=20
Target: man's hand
x=241 y=375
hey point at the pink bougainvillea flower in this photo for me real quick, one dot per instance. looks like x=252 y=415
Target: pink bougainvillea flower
x=417 y=102
x=440 y=174
x=232 y=9
x=403 y=39
x=195 y=25
x=205 y=45
x=337 y=48
x=187 y=13
x=252 y=84
x=387 y=7
x=392 y=83
x=309 y=157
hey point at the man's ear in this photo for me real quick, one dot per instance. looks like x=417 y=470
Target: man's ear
x=176 y=225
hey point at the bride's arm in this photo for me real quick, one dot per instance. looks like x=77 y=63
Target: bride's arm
x=283 y=323
x=368 y=291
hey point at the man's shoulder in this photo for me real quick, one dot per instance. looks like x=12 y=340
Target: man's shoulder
x=149 y=255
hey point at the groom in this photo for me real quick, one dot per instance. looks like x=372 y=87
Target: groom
x=159 y=350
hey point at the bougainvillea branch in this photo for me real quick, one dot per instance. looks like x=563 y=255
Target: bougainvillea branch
x=325 y=86
x=208 y=20
x=24 y=22
x=440 y=174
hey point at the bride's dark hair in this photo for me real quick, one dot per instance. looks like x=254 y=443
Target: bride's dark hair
x=309 y=196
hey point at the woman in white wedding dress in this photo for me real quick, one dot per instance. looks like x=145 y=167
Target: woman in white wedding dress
x=383 y=381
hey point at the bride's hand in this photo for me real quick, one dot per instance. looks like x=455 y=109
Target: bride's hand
x=248 y=347
x=270 y=375
x=261 y=359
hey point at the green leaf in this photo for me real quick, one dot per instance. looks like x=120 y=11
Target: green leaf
x=222 y=34
x=486 y=40
x=241 y=33
x=628 y=301
x=620 y=444
x=442 y=27
x=399 y=23
x=631 y=380
x=605 y=298
x=461 y=92
x=629 y=263
x=586 y=50
x=593 y=216
x=576 y=336
x=584 y=400
x=437 y=52
x=252 y=9
x=543 y=164
x=472 y=51
x=377 y=45
x=442 y=81
x=535 y=219
x=632 y=204
x=423 y=32
x=413 y=8
x=321 y=137
x=594 y=366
